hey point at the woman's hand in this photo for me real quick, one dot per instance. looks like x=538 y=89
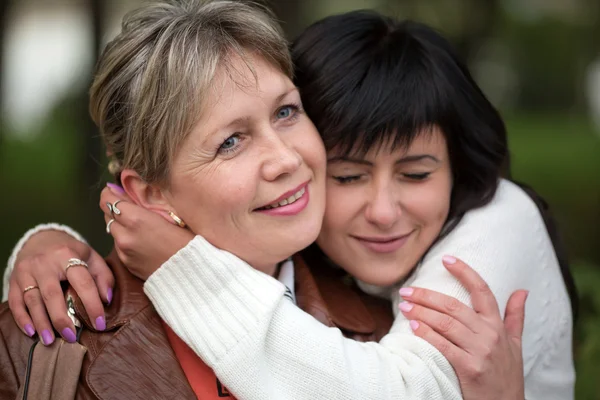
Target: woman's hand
x=484 y=350
x=41 y=264
x=144 y=239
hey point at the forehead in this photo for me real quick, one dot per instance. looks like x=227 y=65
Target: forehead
x=427 y=141
x=241 y=78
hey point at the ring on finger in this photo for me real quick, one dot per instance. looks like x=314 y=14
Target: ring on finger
x=28 y=288
x=75 y=262
x=109 y=224
x=115 y=209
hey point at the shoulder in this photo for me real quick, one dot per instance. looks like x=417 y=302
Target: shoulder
x=503 y=239
x=511 y=212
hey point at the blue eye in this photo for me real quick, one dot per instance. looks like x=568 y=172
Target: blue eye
x=230 y=143
x=284 y=112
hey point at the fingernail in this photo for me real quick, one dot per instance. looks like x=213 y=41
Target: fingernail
x=109 y=295
x=406 y=292
x=405 y=306
x=414 y=325
x=116 y=189
x=69 y=335
x=100 y=324
x=449 y=259
x=47 y=337
x=29 y=330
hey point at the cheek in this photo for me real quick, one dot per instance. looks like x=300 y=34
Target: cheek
x=214 y=196
x=429 y=205
x=341 y=211
x=309 y=145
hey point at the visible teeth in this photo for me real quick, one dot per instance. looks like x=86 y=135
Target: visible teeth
x=289 y=200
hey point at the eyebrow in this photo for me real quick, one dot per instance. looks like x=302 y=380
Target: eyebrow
x=246 y=119
x=403 y=160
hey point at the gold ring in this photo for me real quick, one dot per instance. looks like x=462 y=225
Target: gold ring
x=108 y=225
x=28 y=288
x=177 y=220
x=75 y=262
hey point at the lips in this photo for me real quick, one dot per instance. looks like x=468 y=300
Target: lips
x=383 y=244
x=288 y=197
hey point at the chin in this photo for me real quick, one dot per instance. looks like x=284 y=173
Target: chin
x=380 y=275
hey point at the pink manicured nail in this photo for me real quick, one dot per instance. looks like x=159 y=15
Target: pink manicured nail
x=406 y=292
x=47 y=337
x=69 y=335
x=414 y=325
x=116 y=189
x=449 y=259
x=29 y=330
x=109 y=295
x=100 y=323
x=405 y=306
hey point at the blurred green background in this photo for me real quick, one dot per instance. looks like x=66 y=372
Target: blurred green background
x=538 y=60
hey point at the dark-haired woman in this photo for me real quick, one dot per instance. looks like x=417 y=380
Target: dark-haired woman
x=416 y=155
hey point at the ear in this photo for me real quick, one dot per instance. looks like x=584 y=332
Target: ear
x=149 y=196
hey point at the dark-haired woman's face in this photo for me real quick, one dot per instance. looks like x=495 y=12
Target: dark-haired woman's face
x=384 y=210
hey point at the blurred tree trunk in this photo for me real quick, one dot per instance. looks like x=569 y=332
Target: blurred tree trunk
x=92 y=162
x=291 y=14
x=482 y=19
x=92 y=144
x=4 y=10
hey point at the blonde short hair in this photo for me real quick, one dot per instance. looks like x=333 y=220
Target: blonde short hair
x=154 y=77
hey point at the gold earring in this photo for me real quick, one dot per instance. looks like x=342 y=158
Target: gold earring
x=177 y=220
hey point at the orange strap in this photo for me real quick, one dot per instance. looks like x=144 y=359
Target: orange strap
x=201 y=378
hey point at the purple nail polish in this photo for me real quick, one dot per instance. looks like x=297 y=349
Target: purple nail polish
x=47 y=337
x=100 y=324
x=29 y=330
x=109 y=295
x=115 y=188
x=69 y=335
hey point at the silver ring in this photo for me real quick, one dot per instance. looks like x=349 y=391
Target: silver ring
x=115 y=209
x=75 y=262
x=108 y=225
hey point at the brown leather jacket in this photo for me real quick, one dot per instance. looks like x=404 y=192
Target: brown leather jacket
x=132 y=358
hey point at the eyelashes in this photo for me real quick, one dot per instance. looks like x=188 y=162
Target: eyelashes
x=287 y=113
x=346 y=179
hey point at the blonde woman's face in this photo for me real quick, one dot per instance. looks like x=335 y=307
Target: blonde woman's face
x=250 y=177
x=384 y=210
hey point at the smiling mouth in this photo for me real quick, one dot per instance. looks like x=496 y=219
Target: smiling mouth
x=287 y=198
x=383 y=244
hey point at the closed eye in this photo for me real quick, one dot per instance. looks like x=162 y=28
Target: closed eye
x=347 y=179
x=417 y=177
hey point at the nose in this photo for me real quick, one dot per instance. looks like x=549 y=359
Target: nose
x=382 y=209
x=281 y=159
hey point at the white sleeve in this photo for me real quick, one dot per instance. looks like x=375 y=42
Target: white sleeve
x=507 y=243
x=261 y=346
x=13 y=256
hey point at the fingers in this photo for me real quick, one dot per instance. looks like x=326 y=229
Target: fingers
x=449 y=350
x=444 y=304
x=54 y=304
x=81 y=280
x=17 y=307
x=446 y=326
x=102 y=275
x=514 y=316
x=481 y=296
x=37 y=310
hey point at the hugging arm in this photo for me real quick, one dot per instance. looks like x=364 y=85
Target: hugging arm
x=262 y=346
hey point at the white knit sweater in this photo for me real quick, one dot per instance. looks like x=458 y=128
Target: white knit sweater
x=262 y=347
